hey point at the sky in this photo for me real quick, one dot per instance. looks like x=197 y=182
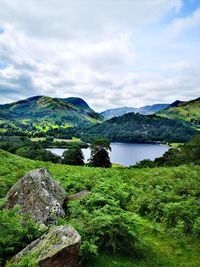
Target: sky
x=111 y=53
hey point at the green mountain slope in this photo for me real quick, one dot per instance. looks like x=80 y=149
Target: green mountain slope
x=186 y=111
x=42 y=113
x=133 y=127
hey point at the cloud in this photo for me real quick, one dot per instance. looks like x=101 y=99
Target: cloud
x=180 y=25
x=67 y=48
x=60 y=68
x=80 y=19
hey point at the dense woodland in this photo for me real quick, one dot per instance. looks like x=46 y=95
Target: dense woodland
x=139 y=128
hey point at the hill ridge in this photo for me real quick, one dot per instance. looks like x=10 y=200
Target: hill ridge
x=184 y=110
x=43 y=114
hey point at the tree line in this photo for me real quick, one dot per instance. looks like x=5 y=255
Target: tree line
x=73 y=155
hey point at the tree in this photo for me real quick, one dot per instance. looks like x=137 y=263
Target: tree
x=99 y=153
x=73 y=156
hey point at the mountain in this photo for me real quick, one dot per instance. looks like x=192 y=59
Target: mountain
x=116 y=112
x=43 y=114
x=175 y=104
x=76 y=101
x=183 y=110
x=151 y=109
x=133 y=127
x=145 y=110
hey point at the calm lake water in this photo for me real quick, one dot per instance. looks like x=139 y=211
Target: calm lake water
x=126 y=153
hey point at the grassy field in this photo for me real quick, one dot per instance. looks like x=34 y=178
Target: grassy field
x=175 y=145
x=165 y=200
x=74 y=139
x=162 y=252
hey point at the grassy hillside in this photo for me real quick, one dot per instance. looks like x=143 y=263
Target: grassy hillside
x=140 y=128
x=162 y=204
x=186 y=111
x=46 y=114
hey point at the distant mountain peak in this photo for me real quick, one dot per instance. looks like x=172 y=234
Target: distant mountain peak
x=176 y=103
x=145 y=110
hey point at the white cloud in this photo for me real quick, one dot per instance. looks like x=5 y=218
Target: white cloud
x=61 y=68
x=180 y=25
x=80 y=19
x=67 y=48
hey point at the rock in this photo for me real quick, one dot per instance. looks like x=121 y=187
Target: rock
x=78 y=195
x=58 y=248
x=39 y=196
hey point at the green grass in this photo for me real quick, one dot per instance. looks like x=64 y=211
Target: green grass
x=36 y=139
x=175 y=144
x=161 y=253
x=74 y=139
x=116 y=165
x=156 y=189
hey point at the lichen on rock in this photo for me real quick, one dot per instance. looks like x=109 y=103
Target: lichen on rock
x=38 y=195
x=57 y=248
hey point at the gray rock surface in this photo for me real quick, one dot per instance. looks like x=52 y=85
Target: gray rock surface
x=78 y=195
x=38 y=195
x=57 y=248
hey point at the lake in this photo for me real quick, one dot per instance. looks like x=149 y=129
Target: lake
x=126 y=153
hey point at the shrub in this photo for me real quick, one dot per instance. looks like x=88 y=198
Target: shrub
x=102 y=224
x=196 y=228
x=16 y=232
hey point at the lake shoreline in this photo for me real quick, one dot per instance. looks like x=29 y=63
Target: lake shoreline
x=125 y=154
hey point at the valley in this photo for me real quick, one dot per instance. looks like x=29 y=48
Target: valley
x=99 y=133
x=139 y=209
x=68 y=118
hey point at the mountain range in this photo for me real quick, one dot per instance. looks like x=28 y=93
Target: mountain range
x=145 y=110
x=68 y=117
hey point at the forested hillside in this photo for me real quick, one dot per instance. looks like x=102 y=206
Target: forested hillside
x=140 y=128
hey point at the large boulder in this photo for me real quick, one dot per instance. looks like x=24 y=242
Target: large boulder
x=39 y=196
x=58 y=248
